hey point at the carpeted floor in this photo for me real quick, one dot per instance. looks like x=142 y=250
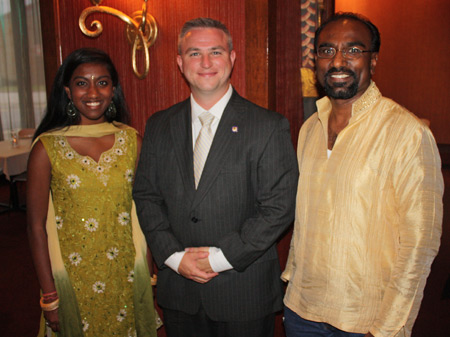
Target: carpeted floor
x=19 y=289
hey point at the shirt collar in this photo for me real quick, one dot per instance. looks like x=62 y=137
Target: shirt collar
x=370 y=96
x=216 y=110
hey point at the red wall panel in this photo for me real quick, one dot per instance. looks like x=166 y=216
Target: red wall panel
x=413 y=67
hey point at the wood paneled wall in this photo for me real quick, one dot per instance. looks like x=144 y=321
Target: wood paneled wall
x=164 y=84
x=248 y=22
x=413 y=67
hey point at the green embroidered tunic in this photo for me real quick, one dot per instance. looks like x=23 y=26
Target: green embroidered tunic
x=92 y=205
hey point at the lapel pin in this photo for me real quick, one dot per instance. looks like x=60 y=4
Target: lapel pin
x=234 y=129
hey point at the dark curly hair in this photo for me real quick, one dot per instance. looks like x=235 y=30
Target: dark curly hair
x=55 y=115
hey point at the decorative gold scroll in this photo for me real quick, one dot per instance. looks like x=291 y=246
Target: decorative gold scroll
x=141 y=30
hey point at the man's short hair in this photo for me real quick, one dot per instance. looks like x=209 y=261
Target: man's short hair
x=375 y=42
x=204 y=23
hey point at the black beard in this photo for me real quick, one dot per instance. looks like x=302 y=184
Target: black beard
x=338 y=91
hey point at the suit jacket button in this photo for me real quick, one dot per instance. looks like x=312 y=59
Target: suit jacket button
x=194 y=219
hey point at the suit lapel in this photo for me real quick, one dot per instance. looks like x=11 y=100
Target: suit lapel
x=224 y=140
x=181 y=133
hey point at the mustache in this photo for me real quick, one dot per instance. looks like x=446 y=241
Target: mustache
x=339 y=70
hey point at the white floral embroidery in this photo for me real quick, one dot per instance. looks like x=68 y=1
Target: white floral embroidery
x=112 y=253
x=131 y=276
x=84 y=324
x=132 y=332
x=129 y=175
x=59 y=222
x=73 y=181
x=107 y=161
x=124 y=218
x=91 y=224
x=75 y=259
x=99 y=287
x=122 y=314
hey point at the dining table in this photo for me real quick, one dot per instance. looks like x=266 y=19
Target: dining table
x=13 y=161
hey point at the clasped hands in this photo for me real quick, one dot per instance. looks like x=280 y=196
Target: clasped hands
x=195 y=265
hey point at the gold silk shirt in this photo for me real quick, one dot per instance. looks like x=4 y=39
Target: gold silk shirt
x=368 y=219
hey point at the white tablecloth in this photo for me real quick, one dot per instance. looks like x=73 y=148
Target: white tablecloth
x=13 y=160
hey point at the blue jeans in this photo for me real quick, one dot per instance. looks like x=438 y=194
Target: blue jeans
x=296 y=326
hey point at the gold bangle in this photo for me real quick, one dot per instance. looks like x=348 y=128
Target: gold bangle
x=49 y=306
x=153 y=280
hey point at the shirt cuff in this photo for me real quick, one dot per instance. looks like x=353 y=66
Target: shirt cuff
x=174 y=260
x=217 y=260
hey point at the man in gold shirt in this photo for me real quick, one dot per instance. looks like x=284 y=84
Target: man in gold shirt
x=369 y=200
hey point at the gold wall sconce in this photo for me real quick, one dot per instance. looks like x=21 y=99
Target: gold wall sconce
x=141 y=30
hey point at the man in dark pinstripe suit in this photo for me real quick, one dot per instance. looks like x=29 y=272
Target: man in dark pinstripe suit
x=213 y=239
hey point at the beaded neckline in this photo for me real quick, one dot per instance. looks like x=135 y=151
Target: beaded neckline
x=371 y=95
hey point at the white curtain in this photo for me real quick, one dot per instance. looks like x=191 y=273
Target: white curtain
x=22 y=82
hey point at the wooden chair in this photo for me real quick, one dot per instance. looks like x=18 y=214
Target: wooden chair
x=27 y=133
x=4 y=207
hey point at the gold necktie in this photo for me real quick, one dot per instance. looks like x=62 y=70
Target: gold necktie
x=202 y=145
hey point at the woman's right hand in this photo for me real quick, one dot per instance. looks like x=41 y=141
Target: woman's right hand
x=52 y=320
x=38 y=190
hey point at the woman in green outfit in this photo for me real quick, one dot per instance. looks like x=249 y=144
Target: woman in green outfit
x=88 y=250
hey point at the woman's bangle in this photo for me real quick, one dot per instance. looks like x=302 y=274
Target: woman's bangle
x=49 y=306
x=47 y=300
x=153 y=280
x=49 y=294
x=50 y=297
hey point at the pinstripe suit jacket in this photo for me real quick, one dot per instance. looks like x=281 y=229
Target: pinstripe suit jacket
x=244 y=202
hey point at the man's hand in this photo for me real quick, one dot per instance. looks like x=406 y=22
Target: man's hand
x=189 y=265
x=202 y=264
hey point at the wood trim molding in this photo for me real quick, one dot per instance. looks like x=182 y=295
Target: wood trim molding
x=257 y=52
x=273 y=57
x=51 y=39
x=285 y=59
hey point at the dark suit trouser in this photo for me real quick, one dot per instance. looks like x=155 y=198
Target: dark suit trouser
x=180 y=324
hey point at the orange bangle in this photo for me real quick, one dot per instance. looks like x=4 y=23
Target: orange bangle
x=49 y=306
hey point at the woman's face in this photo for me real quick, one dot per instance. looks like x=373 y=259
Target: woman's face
x=91 y=90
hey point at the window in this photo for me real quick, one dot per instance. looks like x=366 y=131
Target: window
x=22 y=81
